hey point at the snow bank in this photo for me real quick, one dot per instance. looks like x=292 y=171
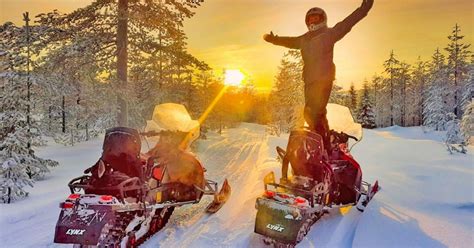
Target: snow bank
x=427 y=195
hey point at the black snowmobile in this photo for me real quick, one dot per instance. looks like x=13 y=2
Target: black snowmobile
x=124 y=200
x=321 y=180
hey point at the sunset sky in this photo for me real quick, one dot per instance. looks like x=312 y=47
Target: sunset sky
x=227 y=34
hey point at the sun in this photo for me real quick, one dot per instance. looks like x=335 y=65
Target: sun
x=233 y=77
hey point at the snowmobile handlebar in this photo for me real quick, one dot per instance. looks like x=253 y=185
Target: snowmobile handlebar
x=342 y=137
x=352 y=137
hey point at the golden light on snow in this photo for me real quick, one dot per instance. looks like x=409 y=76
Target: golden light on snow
x=233 y=77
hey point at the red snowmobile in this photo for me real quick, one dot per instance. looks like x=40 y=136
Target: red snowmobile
x=321 y=180
x=125 y=200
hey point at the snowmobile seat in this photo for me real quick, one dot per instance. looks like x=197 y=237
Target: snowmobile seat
x=305 y=152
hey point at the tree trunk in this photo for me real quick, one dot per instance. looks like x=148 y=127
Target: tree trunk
x=26 y=18
x=87 y=132
x=50 y=110
x=9 y=193
x=64 y=114
x=122 y=58
x=391 y=98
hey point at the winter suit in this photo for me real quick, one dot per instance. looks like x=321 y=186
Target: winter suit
x=319 y=69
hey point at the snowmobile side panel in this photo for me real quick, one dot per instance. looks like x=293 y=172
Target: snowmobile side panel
x=279 y=221
x=83 y=226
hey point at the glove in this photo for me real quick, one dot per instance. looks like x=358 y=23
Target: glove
x=367 y=4
x=268 y=37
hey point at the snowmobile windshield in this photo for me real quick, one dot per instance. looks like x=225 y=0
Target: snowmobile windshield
x=172 y=117
x=340 y=119
x=121 y=147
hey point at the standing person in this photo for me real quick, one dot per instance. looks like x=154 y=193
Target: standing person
x=317 y=48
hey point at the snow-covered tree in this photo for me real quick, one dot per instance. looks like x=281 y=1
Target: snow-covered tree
x=366 y=114
x=416 y=93
x=352 y=100
x=287 y=94
x=457 y=67
x=467 y=122
x=122 y=36
x=16 y=119
x=454 y=140
x=403 y=81
x=391 y=66
x=338 y=95
x=468 y=88
x=378 y=99
x=435 y=110
x=78 y=103
x=20 y=165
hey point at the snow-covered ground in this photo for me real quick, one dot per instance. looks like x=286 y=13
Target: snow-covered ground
x=427 y=196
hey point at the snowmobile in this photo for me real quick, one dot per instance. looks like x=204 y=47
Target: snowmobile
x=322 y=179
x=125 y=199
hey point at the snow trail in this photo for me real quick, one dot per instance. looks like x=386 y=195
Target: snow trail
x=235 y=156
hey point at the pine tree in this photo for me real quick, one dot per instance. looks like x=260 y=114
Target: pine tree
x=352 y=104
x=467 y=122
x=417 y=89
x=379 y=102
x=20 y=166
x=287 y=94
x=366 y=114
x=338 y=96
x=391 y=68
x=458 y=55
x=403 y=78
x=13 y=175
x=118 y=36
x=435 y=110
x=468 y=89
x=454 y=140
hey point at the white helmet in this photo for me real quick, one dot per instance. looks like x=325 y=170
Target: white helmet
x=316 y=26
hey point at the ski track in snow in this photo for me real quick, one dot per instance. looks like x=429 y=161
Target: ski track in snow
x=426 y=198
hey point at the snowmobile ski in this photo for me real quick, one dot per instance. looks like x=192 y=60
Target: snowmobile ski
x=220 y=198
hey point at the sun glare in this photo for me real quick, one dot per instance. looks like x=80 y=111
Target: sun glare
x=233 y=77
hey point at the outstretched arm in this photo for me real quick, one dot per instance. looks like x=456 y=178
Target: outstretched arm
x=343 y=27
x=289 y=42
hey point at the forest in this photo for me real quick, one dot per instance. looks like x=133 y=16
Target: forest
x=68 y=76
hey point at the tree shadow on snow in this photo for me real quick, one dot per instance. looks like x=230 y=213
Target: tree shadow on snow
x=383 y=226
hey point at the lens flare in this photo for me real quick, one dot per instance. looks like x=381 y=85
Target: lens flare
x=233 y=77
